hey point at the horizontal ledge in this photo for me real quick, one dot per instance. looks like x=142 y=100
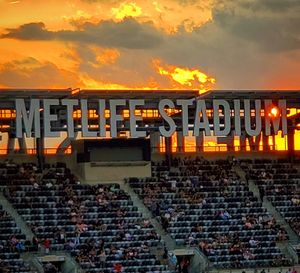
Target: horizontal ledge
x=119 y=163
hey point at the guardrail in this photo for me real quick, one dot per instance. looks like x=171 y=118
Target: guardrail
x=33 y=151
x=161 y=149
x=219 y=148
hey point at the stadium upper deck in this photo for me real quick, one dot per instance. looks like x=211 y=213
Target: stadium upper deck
x=152 y=119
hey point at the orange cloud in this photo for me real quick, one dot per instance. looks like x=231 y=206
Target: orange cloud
x=108 y=56
x=90 y=83
x=126 y=10
x=185 y=77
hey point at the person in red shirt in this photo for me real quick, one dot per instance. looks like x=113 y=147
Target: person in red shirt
x=47 y=245
x=117 y=268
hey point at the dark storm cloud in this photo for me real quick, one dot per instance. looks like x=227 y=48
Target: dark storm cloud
x=272 y=5
x=34 y=74
x=255 y=21
x=260 y=22
x=31 y=31
x=126 y=34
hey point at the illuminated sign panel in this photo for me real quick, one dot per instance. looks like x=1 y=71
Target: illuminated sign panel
x=225 y=118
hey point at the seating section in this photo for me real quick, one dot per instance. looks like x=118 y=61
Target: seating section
x=198 y=202
x=18 y=174
x=280 y=183
x=98 y=224
x=12 y=243
x=205 y=204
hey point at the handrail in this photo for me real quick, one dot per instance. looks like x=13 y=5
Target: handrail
x=33 y=151
x=219 y=148
x=161 y=149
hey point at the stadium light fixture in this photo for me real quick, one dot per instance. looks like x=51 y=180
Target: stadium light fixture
x=274 y=112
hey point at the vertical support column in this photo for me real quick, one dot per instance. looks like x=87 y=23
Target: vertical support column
x=154 y=141
x=243 y=141
x=180 y=142
x=228 y=140
x=40 y=151
x=10 y=144
x=168 y=142
x=199 y=142
x=22 y=144
x=266 y=146
x=274 y=142
x=254 y=142
x=291 y=141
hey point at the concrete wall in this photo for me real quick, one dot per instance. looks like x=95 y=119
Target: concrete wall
x=112 y=171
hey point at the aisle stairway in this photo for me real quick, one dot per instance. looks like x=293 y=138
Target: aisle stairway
x=31 y=258
x=7 y=206
x=199 y=261
x=285 y=247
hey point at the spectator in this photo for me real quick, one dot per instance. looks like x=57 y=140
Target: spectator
x=117 y=268
x=261 y=193
x=47 y=245
x=103 y=258
x=35 y=244
x=20 y=247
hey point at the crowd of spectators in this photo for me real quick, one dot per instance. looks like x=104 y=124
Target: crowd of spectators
x=12 y=174
x=98 y=224
x=199 y=202
x=206 y=204
x=12 y=244
x=279 y=183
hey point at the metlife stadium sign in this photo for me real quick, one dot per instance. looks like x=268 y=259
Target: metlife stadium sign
x=226 y=118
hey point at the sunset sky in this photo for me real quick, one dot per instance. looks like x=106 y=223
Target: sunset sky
x=220 y=44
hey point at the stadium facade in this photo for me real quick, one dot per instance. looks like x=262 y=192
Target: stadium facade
x=254 y=120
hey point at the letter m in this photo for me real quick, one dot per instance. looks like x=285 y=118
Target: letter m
x=28 y=118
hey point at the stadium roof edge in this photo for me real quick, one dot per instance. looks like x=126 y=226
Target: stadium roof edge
x=10 y=93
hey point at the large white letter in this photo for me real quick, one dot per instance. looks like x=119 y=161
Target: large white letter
x=85 y=120
x=249 y=130
x=70 y=103
x=34 y=115
x=102 y=120
x=114 y=118
x=133 y=118
x=185 y=114
x=161 y=108
x=237 y=117
x=201 y=112
x=275 y=119
x=227 y=123
x=48 y=117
